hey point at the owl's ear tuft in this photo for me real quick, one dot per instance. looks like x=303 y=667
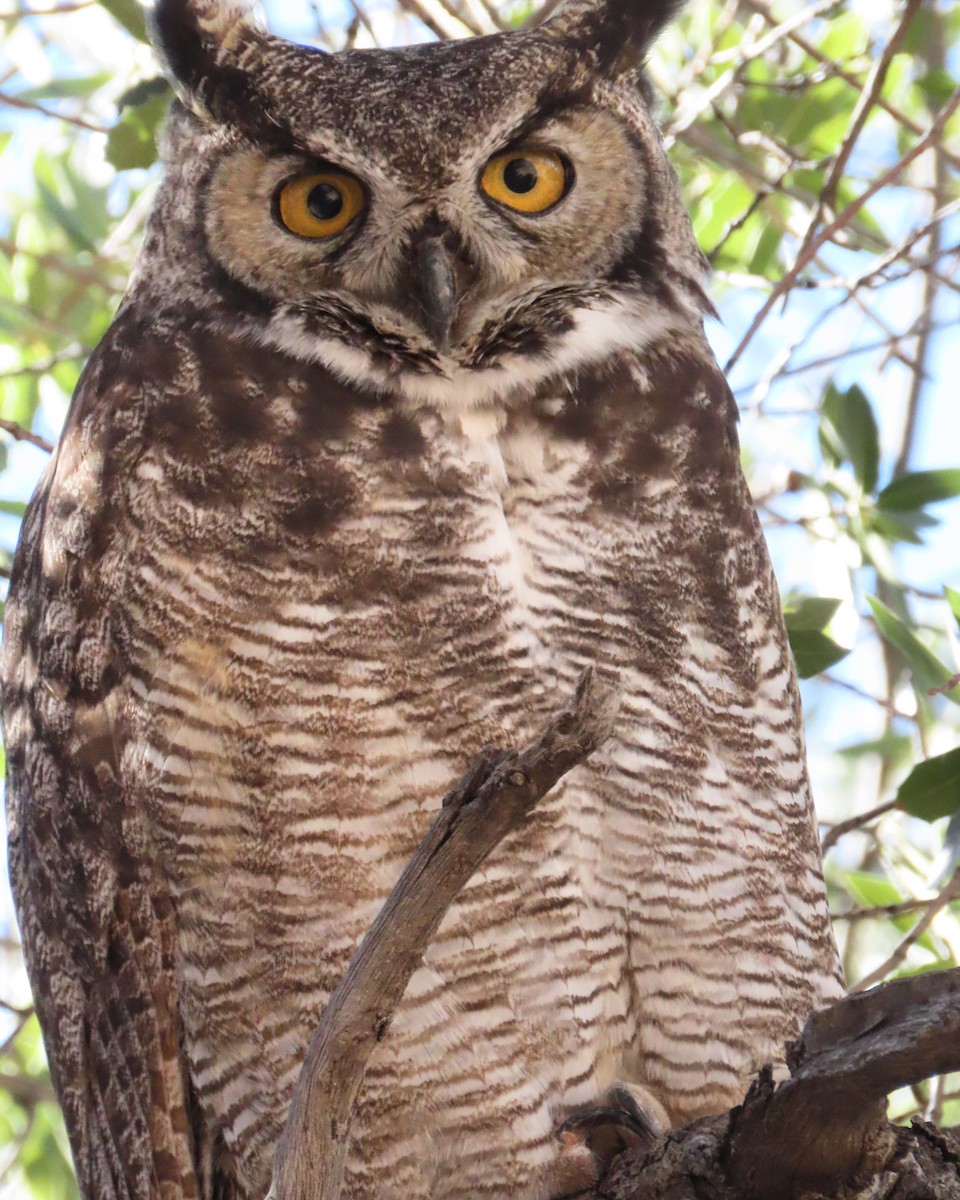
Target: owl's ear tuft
x=618 y=33
x=200 y=44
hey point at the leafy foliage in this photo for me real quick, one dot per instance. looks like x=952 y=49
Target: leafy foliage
x=806 y=619
x=932 y=789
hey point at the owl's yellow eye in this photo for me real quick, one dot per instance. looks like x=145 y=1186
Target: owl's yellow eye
x=320 y=205
x=528 y=181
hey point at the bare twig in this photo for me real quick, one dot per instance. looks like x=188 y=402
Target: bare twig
x=840 y=221
x=436 y=17
x=867 y=103
x=64 y=266
x=16 y=1010
x=22 y=1017
x=45 y=365
x=762 y=385
x=745 y=55
x=836 y=832
x=25 y=435
x=948 y=685
x=931 y=285
x=882 y=912
x=543 y=13
x=494 y=16
x=804 y=44
x=33 y=106
x=934 y=906
x=28 y=1090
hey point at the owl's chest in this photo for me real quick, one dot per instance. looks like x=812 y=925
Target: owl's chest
x=327 y=632
x=405 y=539
x=344 y=620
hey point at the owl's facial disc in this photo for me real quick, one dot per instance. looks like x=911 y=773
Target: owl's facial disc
x=448 y=264
x=455 y=265
x=454 y=219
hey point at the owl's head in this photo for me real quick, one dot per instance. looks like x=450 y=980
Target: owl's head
x=455 y=222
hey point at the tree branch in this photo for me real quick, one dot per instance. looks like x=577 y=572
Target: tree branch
x=867 y=102
x=25 y=435
x=841 y=221
x=494 y=797
x=933 y=907
x=823 y=1132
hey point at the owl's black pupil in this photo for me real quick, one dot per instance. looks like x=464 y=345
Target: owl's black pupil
x=325 y=201
x=520 y=175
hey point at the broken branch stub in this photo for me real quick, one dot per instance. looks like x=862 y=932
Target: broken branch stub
x=493 y=798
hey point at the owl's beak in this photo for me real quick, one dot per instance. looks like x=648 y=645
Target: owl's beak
x=437 y=287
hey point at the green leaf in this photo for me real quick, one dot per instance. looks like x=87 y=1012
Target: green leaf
x=66 y=219
x=895 y=748
x=953 y=599
x=846 y=35
x=132 y=142
x=814 y=652
x=13 y=508
x=928 y=670
x=937 y=85
x=70 y=86
x=44 y=1159
x=812 y=121
x=919 y=488
x=810 y=612
x=871 y=891
x=848 y=433
x=932 y=789
x=901 y=526
x=806 y=618
x=920 y=30
x=143 y=91
x=130 y=14
x=876 y=891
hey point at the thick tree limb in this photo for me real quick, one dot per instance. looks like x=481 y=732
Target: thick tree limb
x=494 y=797
x=823 y=1132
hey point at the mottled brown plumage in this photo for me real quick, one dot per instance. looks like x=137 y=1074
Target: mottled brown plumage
x=312 y=536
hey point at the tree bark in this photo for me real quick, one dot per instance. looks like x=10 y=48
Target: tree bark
x=823 y=1132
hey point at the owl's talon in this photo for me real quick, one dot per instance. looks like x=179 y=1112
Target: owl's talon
x=625 y=1117
x=574 y=1171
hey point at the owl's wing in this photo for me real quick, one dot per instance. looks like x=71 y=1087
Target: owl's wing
x=97 y=925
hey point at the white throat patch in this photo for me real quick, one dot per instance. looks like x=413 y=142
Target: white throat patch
x=599 y=329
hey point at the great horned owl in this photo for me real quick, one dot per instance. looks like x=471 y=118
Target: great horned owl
x=406 y=418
